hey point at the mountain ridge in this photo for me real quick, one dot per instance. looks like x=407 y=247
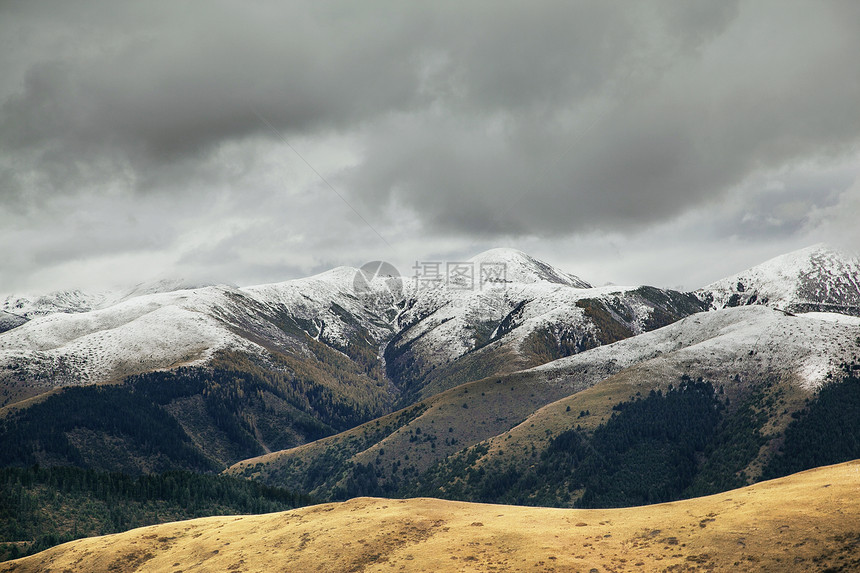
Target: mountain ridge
x=741 y=349
x=75 y=338
x=367 y=348
x=349 y=383
x=815 y=278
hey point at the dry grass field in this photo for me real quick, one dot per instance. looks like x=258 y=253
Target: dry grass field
x=805 y=522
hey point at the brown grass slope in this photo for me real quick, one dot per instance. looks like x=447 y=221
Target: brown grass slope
x=755 y=352
x=515 y=415
x=410 y=440
x=805 y=522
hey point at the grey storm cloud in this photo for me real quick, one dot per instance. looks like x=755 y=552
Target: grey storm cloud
x=139 y=92
x=675 y=125
x=477 y=119
x=138 y=87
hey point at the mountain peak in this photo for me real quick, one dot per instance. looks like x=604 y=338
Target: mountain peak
x=520 y=267
x=163 y=285
x=815 y=278
x=810 y=257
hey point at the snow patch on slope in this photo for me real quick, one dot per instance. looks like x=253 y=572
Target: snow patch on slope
x=752 y=341
x=833 y=317
x=140 y=334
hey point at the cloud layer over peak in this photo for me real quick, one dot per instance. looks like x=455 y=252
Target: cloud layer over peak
x=127 y=129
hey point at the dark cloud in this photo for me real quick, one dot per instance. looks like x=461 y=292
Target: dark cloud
x=481 y=120
x=149 y=89
x=143 y=93
x=671 y=129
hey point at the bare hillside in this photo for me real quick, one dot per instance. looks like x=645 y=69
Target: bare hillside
x=806 y=522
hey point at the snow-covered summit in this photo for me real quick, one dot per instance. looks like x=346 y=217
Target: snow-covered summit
x=161 y=286
x=520 y=267
x=445 y=315
x=816 y=278
x=75 y=301
x=334 y=304
x=68 y=301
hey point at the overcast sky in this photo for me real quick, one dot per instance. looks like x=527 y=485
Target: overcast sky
x=668 y=143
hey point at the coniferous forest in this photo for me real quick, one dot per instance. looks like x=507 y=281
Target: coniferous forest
x=43 y=506
x=686 y=441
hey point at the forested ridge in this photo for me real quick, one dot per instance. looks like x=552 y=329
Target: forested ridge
x=43 y=506
x=687 y=440
x=199 y=419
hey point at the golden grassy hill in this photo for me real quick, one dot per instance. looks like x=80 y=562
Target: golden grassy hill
x=805 y=522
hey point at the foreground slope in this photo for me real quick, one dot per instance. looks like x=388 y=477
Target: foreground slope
x=806 y=522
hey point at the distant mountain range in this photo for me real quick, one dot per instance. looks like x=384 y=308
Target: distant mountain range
x=440 y=377
x=423 y=337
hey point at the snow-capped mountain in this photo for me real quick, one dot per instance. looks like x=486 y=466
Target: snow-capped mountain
x=71 y=301
x=75 y=301
x=750 y=342
x=143 y=333
x=286 y=363
x=518 y=267
x=187 y=327
x=511 y=312
x=514 y=312
x=77 y=338
x=330 y=308
x=510 y=326
x=817 y=278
